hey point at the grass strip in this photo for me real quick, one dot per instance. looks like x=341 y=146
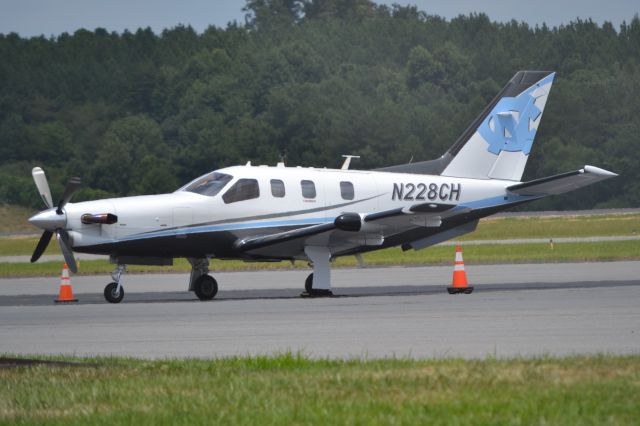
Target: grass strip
x=293 y=389
x=488 y=229
x=438 y=255
x=505 y=228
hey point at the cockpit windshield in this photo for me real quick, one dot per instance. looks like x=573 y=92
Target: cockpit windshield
x=209 y=184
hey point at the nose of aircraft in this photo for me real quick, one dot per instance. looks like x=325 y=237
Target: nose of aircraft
x=48 y=220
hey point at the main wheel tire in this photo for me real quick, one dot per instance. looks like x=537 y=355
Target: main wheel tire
x=308 y=283
x=110 y=293
x=206 y=287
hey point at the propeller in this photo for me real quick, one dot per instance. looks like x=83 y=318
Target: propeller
x=43 y=186
x=53 y=220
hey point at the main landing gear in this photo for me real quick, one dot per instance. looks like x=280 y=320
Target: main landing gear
x=318 y=283
x=205 y=287
x=200 y=282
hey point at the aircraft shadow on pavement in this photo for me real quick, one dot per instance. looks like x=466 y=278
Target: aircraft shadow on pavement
x=291 y=293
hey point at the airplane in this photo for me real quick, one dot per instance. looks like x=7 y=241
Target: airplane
x=276 y=213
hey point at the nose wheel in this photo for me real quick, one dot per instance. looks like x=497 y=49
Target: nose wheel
x=114 y=293
x=206 y=287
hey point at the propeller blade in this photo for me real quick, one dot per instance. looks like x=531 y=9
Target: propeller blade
x=43 y=186
x=65 y=247
x=42 y=245
x=72 y=186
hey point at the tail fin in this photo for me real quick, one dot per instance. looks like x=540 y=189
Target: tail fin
x=497 y=143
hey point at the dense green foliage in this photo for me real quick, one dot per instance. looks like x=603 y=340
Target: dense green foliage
x=308 y=81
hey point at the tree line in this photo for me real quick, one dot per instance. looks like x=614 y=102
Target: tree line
x=304 y=82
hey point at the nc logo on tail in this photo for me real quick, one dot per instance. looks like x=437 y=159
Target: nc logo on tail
x=512 y=124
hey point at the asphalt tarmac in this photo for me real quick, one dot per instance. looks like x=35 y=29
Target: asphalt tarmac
x=515 y=310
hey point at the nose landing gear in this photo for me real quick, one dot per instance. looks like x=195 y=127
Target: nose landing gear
x=113 y=292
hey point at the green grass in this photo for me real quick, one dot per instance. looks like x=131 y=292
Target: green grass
x=14 y=219
x=438 y=255
x=488 y=229
x=292 y=389
x=500 y=228
x=22 y=246
x=556 y=227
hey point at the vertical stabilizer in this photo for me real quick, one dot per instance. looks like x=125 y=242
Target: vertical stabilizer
x=497 y=144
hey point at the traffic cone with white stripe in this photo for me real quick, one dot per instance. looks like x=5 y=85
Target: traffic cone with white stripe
x=460 y=283
x=66 y=293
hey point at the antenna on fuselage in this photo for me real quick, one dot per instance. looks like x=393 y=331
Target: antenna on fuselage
x=283 y=159
x=347 y=161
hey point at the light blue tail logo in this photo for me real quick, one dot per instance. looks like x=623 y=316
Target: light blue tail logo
x=507 y=127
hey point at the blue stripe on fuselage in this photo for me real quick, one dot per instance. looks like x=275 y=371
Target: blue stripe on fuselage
x=226 y=227
x=488 y=202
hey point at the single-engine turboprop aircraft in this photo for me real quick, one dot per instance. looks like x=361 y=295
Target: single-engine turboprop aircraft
x=286 y=213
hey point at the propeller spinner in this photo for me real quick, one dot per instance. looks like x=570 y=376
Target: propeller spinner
x=54 y=219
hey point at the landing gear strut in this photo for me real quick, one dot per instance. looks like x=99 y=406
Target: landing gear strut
x=113 y=292
x=318 y=284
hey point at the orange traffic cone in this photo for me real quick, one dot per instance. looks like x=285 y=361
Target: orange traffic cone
x=66 y=293
x=460 y=284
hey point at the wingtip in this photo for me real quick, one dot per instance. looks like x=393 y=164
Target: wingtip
x=599 y=171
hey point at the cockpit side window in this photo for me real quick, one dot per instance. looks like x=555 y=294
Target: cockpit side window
x=209 y=184
x=243 y=189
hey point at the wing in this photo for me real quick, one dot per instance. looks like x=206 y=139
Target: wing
x=343 y=233
x=291 y=243
x=254 y=243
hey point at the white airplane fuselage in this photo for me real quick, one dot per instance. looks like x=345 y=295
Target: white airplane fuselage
x=193 y=225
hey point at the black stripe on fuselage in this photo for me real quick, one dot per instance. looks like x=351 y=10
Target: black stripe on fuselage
x=219 y=244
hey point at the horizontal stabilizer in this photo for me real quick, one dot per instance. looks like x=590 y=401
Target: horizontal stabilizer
x=425 y=208
x=564 y=182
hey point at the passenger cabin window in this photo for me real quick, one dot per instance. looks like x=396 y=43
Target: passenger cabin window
x=308 y=189
x=346 y=190
x=209 y=184
x=277 y=188
x=243 y=189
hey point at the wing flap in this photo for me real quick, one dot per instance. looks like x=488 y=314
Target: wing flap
x=254 y=243
x=564 y=182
